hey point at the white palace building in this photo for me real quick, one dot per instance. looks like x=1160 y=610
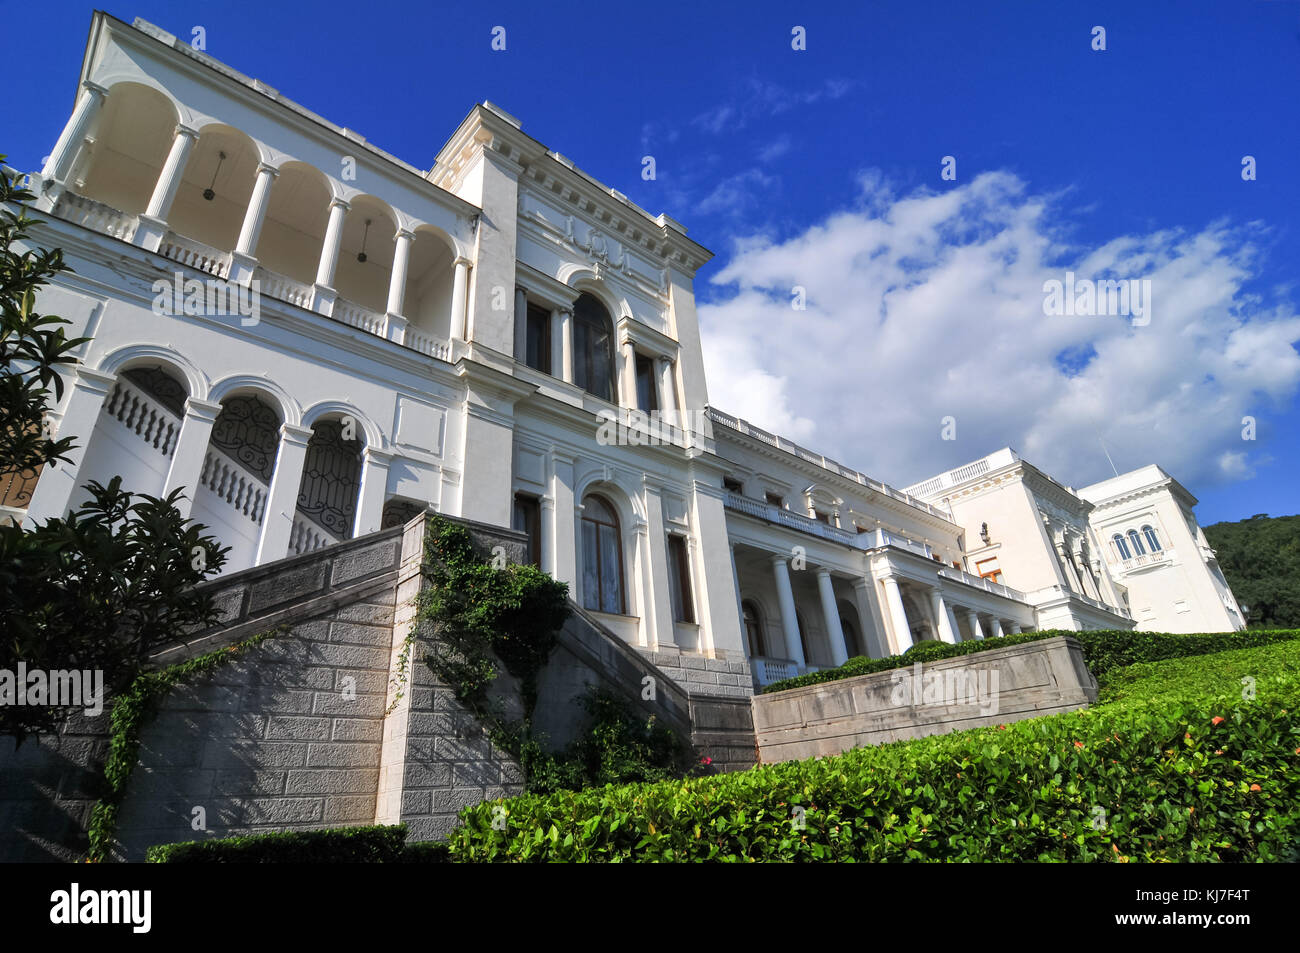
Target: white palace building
x=371 y=339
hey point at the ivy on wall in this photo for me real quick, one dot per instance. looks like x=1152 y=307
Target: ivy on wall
x=132 y=710
x=477 y=615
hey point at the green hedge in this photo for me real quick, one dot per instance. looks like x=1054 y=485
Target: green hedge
x=1103 y=650
x=1176 y=775
x=340 y=845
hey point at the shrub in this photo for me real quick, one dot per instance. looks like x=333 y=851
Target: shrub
x=1103 y=650
x=1178 y=775
x=340 y=845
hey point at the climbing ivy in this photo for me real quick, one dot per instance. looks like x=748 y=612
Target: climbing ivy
x=132 y=710
x=480 y=611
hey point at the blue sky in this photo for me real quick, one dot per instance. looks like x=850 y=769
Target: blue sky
x=821 y=168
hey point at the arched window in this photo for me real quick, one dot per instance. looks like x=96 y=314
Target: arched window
x=1121 y=547
x=1136 y=542
x=602 y=557
x=1153 y=542
x=754 y=629
x=593 y=347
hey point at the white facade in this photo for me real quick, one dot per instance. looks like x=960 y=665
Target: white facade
x=461 y=338
x=1145 y=524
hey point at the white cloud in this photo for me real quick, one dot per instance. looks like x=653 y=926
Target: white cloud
x=930 y=305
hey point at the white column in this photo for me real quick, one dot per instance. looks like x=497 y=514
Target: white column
x=973 y=618
x=373 y=491
x=668 y=390
x=282 y=502
x=562 y=344
x=459 y=318
x=867 y=617
x=546 y=532
x=952 y=624
x=831 y=613
x=191 y=449
x=628 y=375
x=53 y=494
x=740 y=608
x=169 y=180
x=243 y=261
x=89 y=103
x=897 y=616
x=323 y=293
x=789 y=617
x=521 y=325
x=997 y=628
x=397 y=280
x=941 y=620
x=1015 y=628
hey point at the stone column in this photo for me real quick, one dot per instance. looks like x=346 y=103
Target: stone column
x=740 y=608
x=282 y=500
x=566 y=528
x=974 y=619
x=323 y=295
x=459 y=317
x=89 y=103
x=521 y=325
x=373 y=491
x=831 y=613
x=897 y=616
x=628 y=376
x=562 y=360
x=243 y=261
x=153 y=223
x=58 y=481
x=867 y=616
x=397 y=279
x=952 y=623
x=658 y=603
x=668 y=390
x=941 y=619
x=1015 y=628
x=546 y=534
x=789 y=616
x=191 y=449
x=996 y=626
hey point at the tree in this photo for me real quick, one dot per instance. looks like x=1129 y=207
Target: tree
x=96 y=590
x=1260 y=558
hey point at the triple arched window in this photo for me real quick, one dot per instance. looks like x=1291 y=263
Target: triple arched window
x=1137 y=544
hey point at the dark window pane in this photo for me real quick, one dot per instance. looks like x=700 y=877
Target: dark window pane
x=590 y=567
x=646 y=392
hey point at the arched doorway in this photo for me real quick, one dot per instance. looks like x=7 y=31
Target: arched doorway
x=331 y=481
x=234 y=484
x=755 y=637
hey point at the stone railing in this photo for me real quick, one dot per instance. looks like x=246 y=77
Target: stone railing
x=96 y=216
x=229 y=481
x=283 y=288
x=196 y=255
x=427 y=344
x=1048 y=593
x=979 y=582
x=356 y=316
x=306 y=537
x=769 y=670
x=144 y=416
x=1147 y=559
x=872 y=539
x=821 y=460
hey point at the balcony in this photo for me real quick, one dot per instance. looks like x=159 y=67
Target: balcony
x=873 y=539
x=821 y=460
x=769 y=670
x=1146 y=561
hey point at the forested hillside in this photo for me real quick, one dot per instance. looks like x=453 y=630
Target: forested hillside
x=1260 y=557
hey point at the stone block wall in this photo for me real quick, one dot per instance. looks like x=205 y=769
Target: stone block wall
x=1032 y=679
